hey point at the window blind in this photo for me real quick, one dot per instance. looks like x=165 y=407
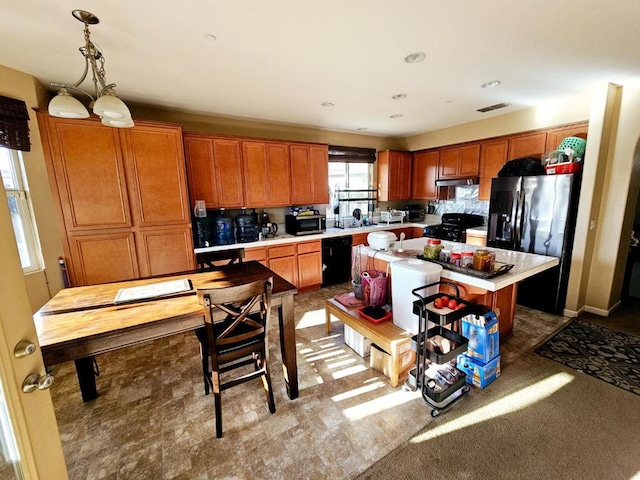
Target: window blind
x=14 y=124
x=351 y=154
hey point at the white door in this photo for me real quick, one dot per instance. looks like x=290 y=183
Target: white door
x=29 y=441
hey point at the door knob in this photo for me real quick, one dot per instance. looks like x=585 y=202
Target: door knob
x=24 y=348
x=35 y=381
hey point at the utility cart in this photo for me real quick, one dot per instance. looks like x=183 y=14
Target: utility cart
x=442 y=384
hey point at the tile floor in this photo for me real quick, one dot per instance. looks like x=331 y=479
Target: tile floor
x=152 y=419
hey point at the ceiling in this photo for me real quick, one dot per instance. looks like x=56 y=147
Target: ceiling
x=279 y=60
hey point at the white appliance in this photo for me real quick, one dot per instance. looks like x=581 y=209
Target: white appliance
x=381 y=240
x=407 y=274
x=392 y=216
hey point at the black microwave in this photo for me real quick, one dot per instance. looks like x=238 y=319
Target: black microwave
x=305 y=224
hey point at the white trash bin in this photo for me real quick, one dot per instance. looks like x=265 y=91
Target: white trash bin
x=406 y=275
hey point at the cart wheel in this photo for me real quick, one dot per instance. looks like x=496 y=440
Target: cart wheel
x=435 y=413
x=466 y=389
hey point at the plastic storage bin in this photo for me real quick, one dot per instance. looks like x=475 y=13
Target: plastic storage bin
x=407 y=274
x=356 y=341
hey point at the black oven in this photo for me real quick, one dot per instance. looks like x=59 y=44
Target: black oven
x=453 y=227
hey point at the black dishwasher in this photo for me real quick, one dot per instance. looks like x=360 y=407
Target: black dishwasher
x=336 y=260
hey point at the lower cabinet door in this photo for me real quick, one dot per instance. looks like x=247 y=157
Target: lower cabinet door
x=165 y=250
x=309 y=270
x=102 y=257
x=286 y=268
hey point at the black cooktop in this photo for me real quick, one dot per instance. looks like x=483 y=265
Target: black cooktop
x=453 y=226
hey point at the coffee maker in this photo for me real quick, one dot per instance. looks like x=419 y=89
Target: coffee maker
x=202 y=226
x=202 y=232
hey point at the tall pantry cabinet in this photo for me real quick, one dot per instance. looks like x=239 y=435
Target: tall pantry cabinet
x=122 y=198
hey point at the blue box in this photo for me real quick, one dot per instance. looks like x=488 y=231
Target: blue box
x=479 y=374
x=484 y=336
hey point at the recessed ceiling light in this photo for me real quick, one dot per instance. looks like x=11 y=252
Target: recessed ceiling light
x=491 y=84
x=399 y=96
x=415 y=57
x=327 y=104
x=396 y=115
x=210 y=38
x=363 y=129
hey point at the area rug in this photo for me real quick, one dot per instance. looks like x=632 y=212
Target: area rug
x=610 y=356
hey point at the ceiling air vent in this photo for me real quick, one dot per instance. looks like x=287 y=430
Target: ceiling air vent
x=493 y=107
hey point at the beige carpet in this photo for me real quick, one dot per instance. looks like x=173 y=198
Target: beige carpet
x=538 y=420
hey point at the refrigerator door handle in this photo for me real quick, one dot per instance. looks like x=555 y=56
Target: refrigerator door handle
x=517 y=216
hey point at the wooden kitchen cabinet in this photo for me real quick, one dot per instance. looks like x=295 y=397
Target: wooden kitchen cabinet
x=425 y=174
x=116 y=191
x=394 y=175
x=101 y=257
x=86 y=170
x=309 y=265
x=459 y=161
x=214 y=168
x=154 y=162
x=258 y=254
x=267 y=174
x=282 y=260
x=530 y=145
x=359 y=239
x=556 y=135
x=309 y=174
x=492 y=159
x=164 y=250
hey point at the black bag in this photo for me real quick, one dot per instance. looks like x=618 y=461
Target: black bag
x=522 y=167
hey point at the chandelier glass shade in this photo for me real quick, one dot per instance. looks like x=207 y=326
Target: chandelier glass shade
x=104 y=101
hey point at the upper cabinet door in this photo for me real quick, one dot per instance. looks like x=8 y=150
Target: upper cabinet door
x=457 y=162
x=301 y=189
x=556 y=135
x=319 y=155
x=279 y=175
x=394 y=175
x=309 y=174
x=227 y=155
x=200 y=168
x=449 y=158
x=469 y=164
x=532 y=145
x=256 y=168
x=425 y=174
x=267 y=174
x=493 y=157
x=155 y=168
x=88 y=173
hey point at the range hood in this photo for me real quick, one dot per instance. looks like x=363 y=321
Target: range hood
x=457 y=181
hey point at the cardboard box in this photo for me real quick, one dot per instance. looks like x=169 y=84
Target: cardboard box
x=484 y=340
x=356 y=341
x=380 y=361
x=479 y=374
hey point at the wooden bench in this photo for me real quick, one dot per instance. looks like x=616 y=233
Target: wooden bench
x=386 y=335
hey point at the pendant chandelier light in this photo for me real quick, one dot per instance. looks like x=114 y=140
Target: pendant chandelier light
x=104 y=102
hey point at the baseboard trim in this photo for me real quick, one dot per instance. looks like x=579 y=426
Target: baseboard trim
x=602 y=312
x=572 y=313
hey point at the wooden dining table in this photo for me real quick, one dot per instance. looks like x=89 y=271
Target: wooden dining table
x=81 y=322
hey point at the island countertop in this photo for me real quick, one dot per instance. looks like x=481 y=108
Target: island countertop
x=525 y=264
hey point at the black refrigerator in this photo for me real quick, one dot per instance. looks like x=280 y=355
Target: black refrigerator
x=537 y=214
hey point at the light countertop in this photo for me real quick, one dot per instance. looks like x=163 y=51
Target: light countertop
x=283 y=237
x=525 y=264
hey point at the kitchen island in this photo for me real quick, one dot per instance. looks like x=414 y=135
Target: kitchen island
x=499 y=293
